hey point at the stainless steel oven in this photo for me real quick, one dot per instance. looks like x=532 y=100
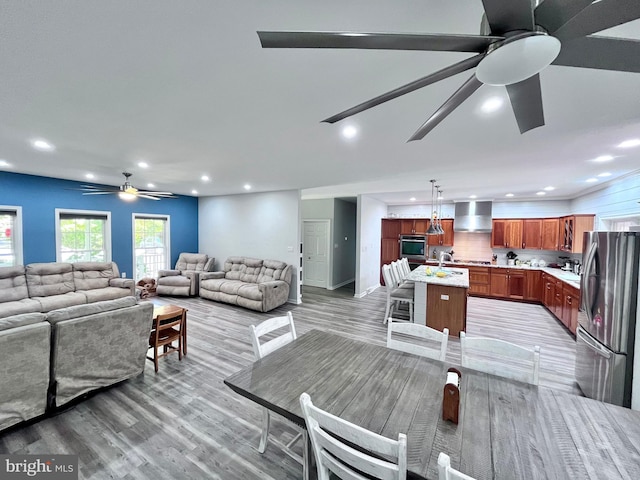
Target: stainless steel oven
x=413 y=247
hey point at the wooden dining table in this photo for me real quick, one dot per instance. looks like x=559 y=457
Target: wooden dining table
x=506 y=429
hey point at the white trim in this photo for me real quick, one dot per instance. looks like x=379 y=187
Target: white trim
x=17 y=233
x=167 y=237
x=342 y=284
x=96 y=213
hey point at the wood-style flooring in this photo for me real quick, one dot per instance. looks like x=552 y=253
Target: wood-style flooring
x=184 y=423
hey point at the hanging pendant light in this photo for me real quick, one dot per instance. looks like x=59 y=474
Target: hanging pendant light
x=440 y=229
x=438 y=211
x=432 y=230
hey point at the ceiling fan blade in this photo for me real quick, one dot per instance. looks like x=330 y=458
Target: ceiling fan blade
x=152 y=192
x=449 y=106
x=526 y=101
x=508 y=15
x=149 y=197
x=97 y=192
x=592 y=19
x=409 y=87
x=605 y=53
x=377 y=41
x=553 y=14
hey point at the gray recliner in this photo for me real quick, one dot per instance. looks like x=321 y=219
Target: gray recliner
x=184 y=278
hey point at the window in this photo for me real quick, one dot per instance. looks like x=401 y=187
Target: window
x=151 y=244
x=83 y=236
x=10 y=236
x=621 y=224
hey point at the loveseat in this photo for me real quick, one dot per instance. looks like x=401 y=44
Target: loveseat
x=42 y=287
x=253 y=283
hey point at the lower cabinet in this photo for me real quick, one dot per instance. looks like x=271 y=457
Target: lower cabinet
x=479 y=281
x=571 y=299
x=533 y=285
x=507 y=283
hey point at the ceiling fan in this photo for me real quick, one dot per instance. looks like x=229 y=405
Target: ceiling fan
x=126 y=191
x=518 y=39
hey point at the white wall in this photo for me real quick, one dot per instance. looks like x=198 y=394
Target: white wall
x=370 y=213
x=260 y=225
x=537 y=209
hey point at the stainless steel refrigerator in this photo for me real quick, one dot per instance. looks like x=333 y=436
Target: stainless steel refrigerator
x=608 y=314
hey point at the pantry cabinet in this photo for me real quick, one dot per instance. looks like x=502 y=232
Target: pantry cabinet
x=389 y=243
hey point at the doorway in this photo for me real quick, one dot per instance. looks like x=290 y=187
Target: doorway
x=315 y=251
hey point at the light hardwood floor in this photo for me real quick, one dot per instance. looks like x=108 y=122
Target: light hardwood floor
x=184 y=423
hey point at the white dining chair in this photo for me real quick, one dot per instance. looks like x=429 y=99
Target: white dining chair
x=446 y=472
x=395 y=294
x=404 y=263
x=430 y=339
x=501 y=358
x=399 y=276
x=261 y=350
x=333 y=455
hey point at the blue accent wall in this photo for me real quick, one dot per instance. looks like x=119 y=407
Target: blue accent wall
x=40 y=196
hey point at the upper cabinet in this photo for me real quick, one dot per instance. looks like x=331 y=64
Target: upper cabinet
x=414 y=226
x=444 y=239
x=550 y=233
x=572 y=230
x=532 y=233
x=507 y=233
x=390 y=228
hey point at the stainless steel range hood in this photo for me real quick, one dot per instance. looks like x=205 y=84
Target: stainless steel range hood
x=472 y=217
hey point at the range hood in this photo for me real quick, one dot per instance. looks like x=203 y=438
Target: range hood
x=472 y=217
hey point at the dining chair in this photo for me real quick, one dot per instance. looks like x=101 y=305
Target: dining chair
x=384 y=458
x=404 y=263
x=166 y=329
x=446 y=472
x=395 y=294
x=501 y=358
x=261 y=350
x=399 y=276
x=426 y=334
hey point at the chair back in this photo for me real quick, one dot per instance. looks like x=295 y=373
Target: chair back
x=196 y=262
x=388 y=277
x=432 y=336
x=338 y=457
x=445 y=472
x=167 y=325
x=397 y=271
x=268 y=326
x=404 y=264
x=501 y=358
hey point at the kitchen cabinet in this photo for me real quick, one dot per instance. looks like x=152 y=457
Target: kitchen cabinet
x=532 y=233
x=571 y=299
x=479 y=281
x=390 y=228
x=572 y=230
x=389 y=243
x=550 y=233
x=445 y=239
x=533 y=285
x=414 y=226
x=507 y=233
x=507 y=283
x=549 y=291
x=558 y=301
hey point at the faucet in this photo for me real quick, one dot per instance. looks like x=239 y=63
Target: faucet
x=442 y=255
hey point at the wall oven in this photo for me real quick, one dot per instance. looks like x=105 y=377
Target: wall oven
x=413 y=247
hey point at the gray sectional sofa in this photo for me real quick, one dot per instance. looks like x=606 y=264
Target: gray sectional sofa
x=65 y=330
x=253 y=283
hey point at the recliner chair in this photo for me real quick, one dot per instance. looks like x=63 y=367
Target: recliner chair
x=184 y=278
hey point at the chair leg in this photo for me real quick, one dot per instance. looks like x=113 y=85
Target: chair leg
x=411 y=312
x=387 y=311
x=265 y=430
x=306 y=459
x=155 y=358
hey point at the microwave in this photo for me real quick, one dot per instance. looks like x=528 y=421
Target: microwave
x=413 y=247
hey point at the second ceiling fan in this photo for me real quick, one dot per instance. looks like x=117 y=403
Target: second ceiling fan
x=518 y=39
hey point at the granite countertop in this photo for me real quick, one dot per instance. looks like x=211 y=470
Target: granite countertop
x=456 y=277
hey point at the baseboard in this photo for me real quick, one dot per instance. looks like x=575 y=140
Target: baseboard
x=367 y=292
x=342 y=284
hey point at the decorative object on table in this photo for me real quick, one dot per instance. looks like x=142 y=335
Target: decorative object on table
x=451 y=396
x=494 y=259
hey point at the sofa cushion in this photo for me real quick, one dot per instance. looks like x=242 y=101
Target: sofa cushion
x=231 y=287
x=273 y=270
x=192 y=261
x=26 y=305
x=20 y=320
x=91 y=275
x=76 y=311
x=250 y=291
x=234 y=268
x=176 y=281
x=54 y=302
x=108 y=293
x=13 y=284
x=45 y=279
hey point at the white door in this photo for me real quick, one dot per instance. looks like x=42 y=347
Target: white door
x=315 y=249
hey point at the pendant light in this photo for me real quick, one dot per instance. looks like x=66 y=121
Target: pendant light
x=432 y=230
x=439 y=227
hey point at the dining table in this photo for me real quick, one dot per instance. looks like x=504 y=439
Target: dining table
x=506 y=429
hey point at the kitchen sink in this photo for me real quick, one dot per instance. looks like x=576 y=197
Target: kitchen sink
x=569 y=276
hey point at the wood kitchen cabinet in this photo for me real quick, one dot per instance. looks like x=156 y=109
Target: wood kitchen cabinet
x=532 y=233
x=390 y=228
x=533 y=285
x=507 y=283
x=445 y=239
x=550 y=233
x=558 y=301
x=414 y=226
x=507 y=233
x=549 y=291
x=572 y=230
x=479 y=281
x=571 y=299
x=389 y=243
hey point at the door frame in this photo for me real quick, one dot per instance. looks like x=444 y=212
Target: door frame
x=329 y=266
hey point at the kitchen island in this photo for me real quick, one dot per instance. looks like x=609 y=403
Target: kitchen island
x=440 y=302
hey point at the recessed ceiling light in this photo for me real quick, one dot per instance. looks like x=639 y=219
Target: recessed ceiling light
x=204 y=178
x=492 y=104
x=90 y=175
x=4 y=163
x=541 y=193
x=603 y=158
x=509 y=195
x=194 y=192
x=473 y=196
x=549 y=188
x=634 y=142
x=42 y=145
x=151 y=185
x=412 y=199
x=247 y=186
x=605 y=174
x=143 y=164
x=349 y=131
x=591 y=180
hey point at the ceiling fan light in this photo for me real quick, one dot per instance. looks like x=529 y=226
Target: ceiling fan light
x=518 y=58
x=127 y=196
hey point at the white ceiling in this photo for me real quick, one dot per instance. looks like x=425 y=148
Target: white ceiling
x=186 y=87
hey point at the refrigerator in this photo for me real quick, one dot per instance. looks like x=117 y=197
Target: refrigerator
x=606 y=334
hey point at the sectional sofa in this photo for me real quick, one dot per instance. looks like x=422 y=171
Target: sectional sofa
x=253 y=283
x=65 y=330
